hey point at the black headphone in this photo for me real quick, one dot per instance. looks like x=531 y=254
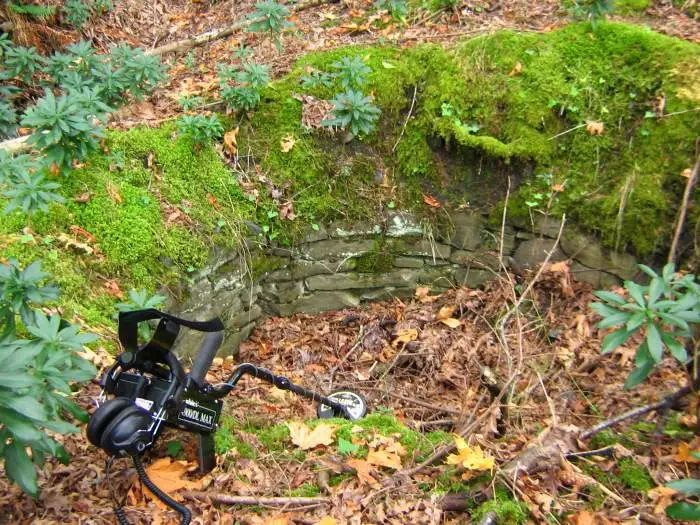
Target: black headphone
x=129 y=425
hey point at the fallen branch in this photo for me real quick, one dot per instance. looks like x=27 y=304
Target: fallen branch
x=666 y=403
x=16 y=145
x=227 y=499
x=223 y=32
x=410 y=112
x=683 y=210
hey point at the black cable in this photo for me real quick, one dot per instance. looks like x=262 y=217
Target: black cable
x=117 y=506
x=162 y=496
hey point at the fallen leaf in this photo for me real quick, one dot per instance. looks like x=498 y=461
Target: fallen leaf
x=582 y=518
x=431 y=201
x=287 y=143
x=71 y=243
x=422 y=295
x=83 y=197
x=686 y=173
x=326 y=520
x=383 y=458
x=559 y=267
x=113 y=192
x=595 y=127
x=305 y=438
x=112 y=288
x=557 y=188
x=82 y=232
x=517 y=69
x=470 y=458
x=364 y=471
x=662 y=497
x=405 y=336
x=230 y=140
x=446 y=312
x=212 y=200
x=683 y=455
x=168 y=476
x=451 y=322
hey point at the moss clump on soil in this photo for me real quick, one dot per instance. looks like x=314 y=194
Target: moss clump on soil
x=635 y=476
x=631 y=6
x=507 y=510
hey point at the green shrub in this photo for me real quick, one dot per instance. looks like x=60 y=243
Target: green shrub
x=36 y=375
x=22 y=62
x=8 y=120
x=76 y=13
x=199 y=129
x=65 y=127
x=664 y=309
x=102 y=7
x=355 y=112
x=35 y=11
x=269 y=17
x=593 y=11
x=241 y=89
x=397 y=8
x=31 y=193
x=351 y=72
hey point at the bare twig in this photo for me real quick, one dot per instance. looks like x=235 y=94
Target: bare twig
x=227 y=499
x=503 y=225
x=666 y=402
x=410 y=112
x=690 y=184
x=423 y=404
x=567 y=131
x=358 y=343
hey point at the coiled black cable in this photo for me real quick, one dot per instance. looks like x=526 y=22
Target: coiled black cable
x=162 y=496
x=121 y=516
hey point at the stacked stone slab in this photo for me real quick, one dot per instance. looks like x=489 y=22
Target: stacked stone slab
x=323 y=273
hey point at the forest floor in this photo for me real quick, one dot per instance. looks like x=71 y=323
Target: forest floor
x=423 y=364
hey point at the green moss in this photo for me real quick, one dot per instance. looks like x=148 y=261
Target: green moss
x=274 y=438
x=226 y=439
x=307 y=490
x=595 y=496
x=631 y=6
x=508 y=511
x=635 y=476
x=379 y=260
x=337 y=479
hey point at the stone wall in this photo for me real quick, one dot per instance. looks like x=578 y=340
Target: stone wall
x=343 y=265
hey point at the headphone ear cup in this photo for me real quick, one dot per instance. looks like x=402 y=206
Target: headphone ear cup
x=103 y=416
x=126 y=431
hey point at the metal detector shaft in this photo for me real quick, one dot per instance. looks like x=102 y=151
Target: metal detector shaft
x=281 y=382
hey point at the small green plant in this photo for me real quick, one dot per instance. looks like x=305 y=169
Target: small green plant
x=592 y=11
x=102 y=7
x=190 y=60
x=351 y=72
x=190 y=103
x=31 y=193
x=397 y=8
x=8 y=120
x=142 y=73
x=200 y=129
x=315 y=79
x=271 y=18
x=241 y=89
x=65 y=127
x=22 y=62
x=116 y=160
x=445 y=4
x=141 y=300
x=35 y=11
x=664 y=309
x=243 y=53
x=76 y=13
x=36 y=375
x=355 y=112
x=681 y=510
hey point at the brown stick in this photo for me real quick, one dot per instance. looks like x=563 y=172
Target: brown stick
x=426 y=405
x=666 y=402
x=222 y=32
x=227 y=499
x=683 y=210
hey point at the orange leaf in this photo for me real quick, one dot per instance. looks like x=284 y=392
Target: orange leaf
x=446 y=312
x=422 y=295
x=683 y=455
x=364 y=471
x=451 y=322
x=213 y=202
x=405 y=336
x=306 y=439
x=168 y=476
x=595 y=127
x=517 y=69
x=230 y=140
x=431 y=201
x=113 y=192
x=383 y=458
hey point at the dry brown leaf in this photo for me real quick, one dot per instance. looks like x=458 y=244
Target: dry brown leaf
x=559 y=267
x=305 y=438
x=212 y=200
x=112 y=288
x=168 y=476
x=557 y=188
x=326 y=520
x=384 y=458
x=446 y=312
x=686 y=173
x=405 y=336
x=287 y=143
x=582 y=518
x=422 y=295
x=431 y=201
x=595 y=127
x=83 y=197
x=230 y=140
x=517 y=69
x=683 y=454
x=113 y=192
x=662 y=498
x=451 y=322
x=364 y=471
